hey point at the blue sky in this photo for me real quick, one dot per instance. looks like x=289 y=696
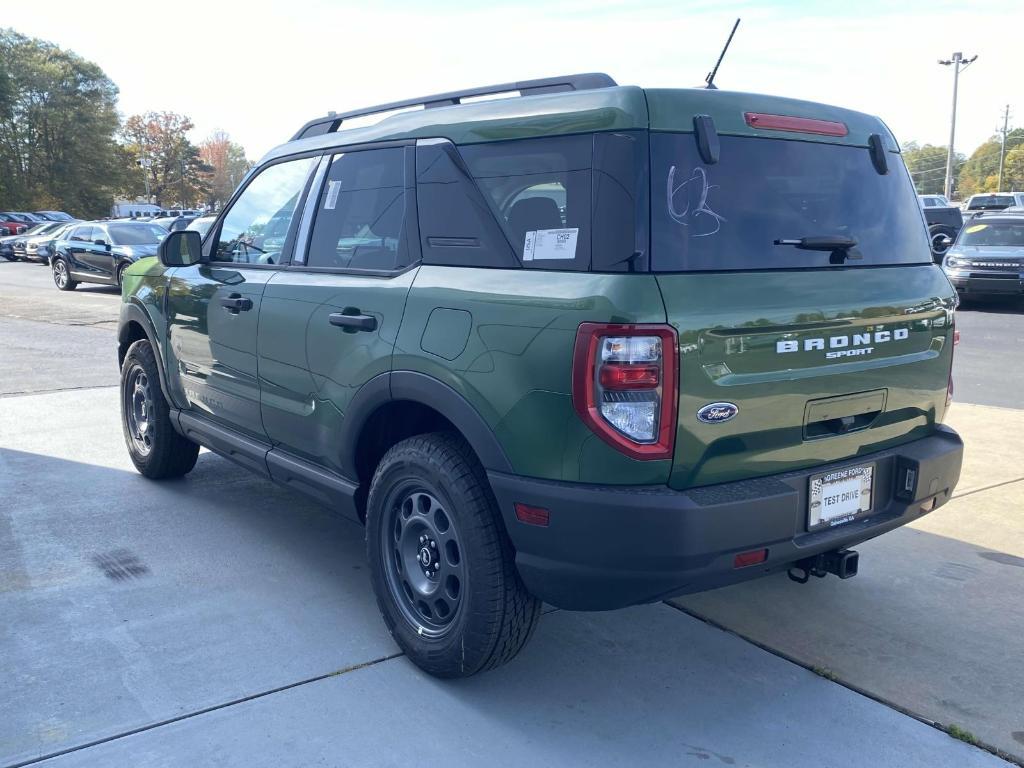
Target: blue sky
x=260 y=69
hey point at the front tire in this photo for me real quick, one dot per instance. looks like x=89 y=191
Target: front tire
x=441 y=563
x=62 y=276
x=156 y=449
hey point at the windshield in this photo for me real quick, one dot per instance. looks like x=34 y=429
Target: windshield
x=58 y=216
x=996 y=234
x=136 y=234
x=728 y=215
x=983 y=202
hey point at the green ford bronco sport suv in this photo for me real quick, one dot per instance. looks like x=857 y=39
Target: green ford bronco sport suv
x=589 y=344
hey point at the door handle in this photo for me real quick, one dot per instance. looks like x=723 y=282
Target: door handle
x=352 y=322
x=235 y=303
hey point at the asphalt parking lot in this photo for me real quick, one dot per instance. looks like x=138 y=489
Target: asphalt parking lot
x=222 y=620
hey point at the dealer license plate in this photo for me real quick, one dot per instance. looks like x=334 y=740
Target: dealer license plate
x=839 y=496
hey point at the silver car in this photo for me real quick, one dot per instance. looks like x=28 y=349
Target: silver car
x=988 y=255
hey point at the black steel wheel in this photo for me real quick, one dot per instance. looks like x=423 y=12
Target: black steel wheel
x=422 y=559
x=156 y=449
x=442 y=567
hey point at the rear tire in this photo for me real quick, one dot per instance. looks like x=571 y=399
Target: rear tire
x=441 y=563
x=62 y=275
x=119 y=275
x=156 y=449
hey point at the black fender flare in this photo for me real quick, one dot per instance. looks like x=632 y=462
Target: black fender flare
x=412 y=386
x=132 y=312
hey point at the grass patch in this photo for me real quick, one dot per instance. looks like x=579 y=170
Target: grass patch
x=962 y=734
x=825 y=672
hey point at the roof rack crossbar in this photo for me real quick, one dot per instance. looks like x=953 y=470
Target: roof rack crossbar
x=580 y=82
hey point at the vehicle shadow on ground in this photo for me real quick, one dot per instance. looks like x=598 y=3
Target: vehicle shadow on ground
x=128 y=602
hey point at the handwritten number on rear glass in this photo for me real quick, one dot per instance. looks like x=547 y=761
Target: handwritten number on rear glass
x=693 y=209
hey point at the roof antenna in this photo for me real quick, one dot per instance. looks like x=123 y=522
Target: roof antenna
x=710 y=79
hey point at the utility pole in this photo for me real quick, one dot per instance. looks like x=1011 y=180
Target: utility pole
x=1002 y=146
x=959 y=64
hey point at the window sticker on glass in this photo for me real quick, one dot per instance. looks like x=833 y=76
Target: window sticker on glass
x=331 y=199
x=550 y=244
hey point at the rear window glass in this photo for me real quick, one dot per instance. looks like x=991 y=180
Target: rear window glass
x=995 y=234
x=981 y=202
x=727 y=216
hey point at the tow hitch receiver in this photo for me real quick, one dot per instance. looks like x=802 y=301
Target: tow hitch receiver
x=841 y=562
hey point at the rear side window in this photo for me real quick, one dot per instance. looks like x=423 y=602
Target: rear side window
x=727 y=216
x=360 y=221
x=540 y=192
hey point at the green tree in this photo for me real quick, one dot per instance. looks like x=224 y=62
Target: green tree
x=228 y=163
x=58 y=118
x=927 y=166
x=157 y=147
x=981 y=172
x=1013 y=172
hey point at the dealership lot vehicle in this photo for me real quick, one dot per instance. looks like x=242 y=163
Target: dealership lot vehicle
x=27 y=246
x=990 y=202
x=944 y=222
x=988 y=257
x=100 y=252
x=60 y=216
x=579 y=364
x=202 y=224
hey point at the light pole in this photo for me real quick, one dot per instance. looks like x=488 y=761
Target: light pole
x=1002 y=147
x=959 y=64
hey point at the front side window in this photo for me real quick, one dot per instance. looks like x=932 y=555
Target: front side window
x=360 y=219
x=255 y=229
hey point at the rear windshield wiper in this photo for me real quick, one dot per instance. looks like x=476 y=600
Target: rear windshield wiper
x=841 y=248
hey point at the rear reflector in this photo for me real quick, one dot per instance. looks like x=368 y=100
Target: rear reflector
x=532 y=515
x=795 y=124
x=753 y=557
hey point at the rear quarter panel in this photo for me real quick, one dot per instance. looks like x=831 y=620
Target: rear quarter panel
x=504 y=340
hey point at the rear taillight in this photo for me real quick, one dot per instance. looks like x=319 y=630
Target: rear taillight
x=624 y=386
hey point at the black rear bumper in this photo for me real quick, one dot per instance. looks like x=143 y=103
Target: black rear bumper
x=612 y=546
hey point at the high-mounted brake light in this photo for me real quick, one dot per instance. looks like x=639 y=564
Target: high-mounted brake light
x=624 y=386
x=795 y=124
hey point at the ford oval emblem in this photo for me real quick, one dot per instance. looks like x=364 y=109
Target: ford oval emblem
x=715 y=413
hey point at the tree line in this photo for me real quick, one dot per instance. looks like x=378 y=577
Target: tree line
x=977 y=173
x=63 y=145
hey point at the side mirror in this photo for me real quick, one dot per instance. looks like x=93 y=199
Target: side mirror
x=101 y=242
x=181 y=249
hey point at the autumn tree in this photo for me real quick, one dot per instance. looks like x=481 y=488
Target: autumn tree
x=160 y=153
x=58 y=119
x=228 y=165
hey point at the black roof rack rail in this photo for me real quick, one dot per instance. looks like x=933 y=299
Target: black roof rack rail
x=581 y=82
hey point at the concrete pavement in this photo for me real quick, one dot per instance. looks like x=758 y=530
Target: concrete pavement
x=933 y=621
x=220 y=619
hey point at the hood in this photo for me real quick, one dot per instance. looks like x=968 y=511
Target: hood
x=986 y=252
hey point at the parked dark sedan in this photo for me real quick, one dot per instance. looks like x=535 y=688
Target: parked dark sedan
x=56 y=216
x=99 y=252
